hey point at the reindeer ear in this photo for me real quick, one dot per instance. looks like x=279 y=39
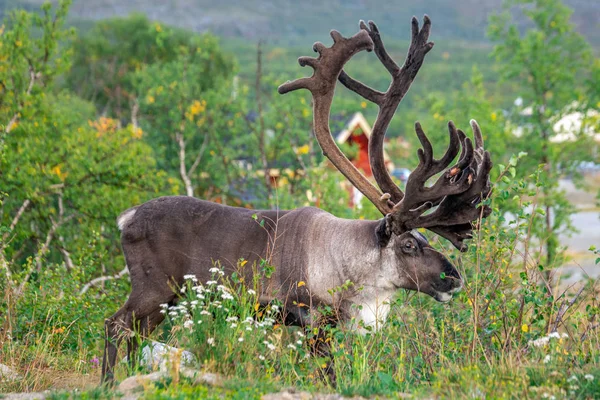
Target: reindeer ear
x=384 y=231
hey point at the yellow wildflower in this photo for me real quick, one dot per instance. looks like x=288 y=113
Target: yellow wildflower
x=303 y=150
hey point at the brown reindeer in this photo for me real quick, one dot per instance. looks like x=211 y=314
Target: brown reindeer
x=169 y=237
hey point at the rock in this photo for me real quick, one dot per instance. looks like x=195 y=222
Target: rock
x=288 y=394
x=201 y=378
x=156 y=356
x=26 y=396
x=292 y=394
x=8 y=374
x=133 y=383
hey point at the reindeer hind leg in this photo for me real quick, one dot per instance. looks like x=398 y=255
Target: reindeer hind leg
x=114 y=328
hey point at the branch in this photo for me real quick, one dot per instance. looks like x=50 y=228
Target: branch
x=564 y=307
x=13 y=120
x=189 y=189
x=5 y=267
x=199 y=157
x=134 y=112
x=101 y=279
x=16 y=219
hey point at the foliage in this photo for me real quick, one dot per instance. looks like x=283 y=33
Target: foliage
x=107 y=57
x=187 y=108
x=548 y=59
x=66 y=175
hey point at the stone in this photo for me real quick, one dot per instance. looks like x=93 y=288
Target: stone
x=156 y=356
x=133 y=383
x=25 y=396
x=8 y=374
x=202 y=378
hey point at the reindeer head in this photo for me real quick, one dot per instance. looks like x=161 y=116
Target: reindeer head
x=411 y=263
x=448 y=207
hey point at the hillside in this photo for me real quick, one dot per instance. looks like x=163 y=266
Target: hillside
x=287 y=22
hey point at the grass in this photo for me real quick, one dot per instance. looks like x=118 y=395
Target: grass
x=510 y=334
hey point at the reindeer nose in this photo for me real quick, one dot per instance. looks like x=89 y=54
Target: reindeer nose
x=458 y=288
x=450 y=270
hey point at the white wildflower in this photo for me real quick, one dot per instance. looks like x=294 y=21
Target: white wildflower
x=188 y=324
x=234 y=325
x=199 y=322
x=190 y=278
x=251 y=292
x=271 y=346
x=565 y=335
x=221 y=272
x=172 y=313
x=299 y=333
x=226 y=296
x=291 y=346
x=194 y=302
x=182 y=290
x=210 y=341
x=163 y=311
x=299 y=342
x=261 y=357
x=547 y=359
x=540 y=342
x=248 y=320
x=213 y=270
x=211 y=282
x=249 y=328
x=240 y=339
x=183 y=304
x=204 y=312
x=275 y=307
x=164 y=305
x=554 y=335
x=573 y=378
x=588 y=377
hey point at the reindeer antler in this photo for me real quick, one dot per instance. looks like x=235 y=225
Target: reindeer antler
x=457 y=193
x=388 y=102
x=327 y=67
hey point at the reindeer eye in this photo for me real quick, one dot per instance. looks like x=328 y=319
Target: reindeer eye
x=408 y=246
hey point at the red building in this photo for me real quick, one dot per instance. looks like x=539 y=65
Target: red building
x=357 y=133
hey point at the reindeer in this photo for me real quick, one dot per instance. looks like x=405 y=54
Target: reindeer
x=169 y=237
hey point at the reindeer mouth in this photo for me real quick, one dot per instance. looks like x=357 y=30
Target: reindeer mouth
x=445 y=297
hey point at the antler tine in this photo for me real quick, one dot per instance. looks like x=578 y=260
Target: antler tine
x=388 y=102
x=453 y=219
x=428 y=165
x=327 y=68
x=420 y=198
x=380 y=51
